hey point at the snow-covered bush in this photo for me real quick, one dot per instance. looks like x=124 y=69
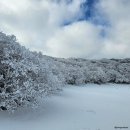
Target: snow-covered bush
x=74 y=76
x=24 y=75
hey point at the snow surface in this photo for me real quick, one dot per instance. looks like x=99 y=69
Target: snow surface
x=89 y=107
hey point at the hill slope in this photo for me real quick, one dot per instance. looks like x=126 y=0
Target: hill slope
x=26 y=75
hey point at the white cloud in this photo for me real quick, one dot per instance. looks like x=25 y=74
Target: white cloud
x=35 y=21
x=38 y=25
x=117 y=43
x=80 y=39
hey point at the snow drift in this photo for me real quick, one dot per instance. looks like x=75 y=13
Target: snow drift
x=26 y=75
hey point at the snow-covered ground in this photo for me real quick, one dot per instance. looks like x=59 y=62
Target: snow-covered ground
x=90 y=107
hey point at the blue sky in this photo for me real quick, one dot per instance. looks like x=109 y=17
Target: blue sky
x=87 y=7
x=69 y=28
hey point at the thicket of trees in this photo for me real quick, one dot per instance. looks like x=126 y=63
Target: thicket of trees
x=26 y=75
x=81 y=71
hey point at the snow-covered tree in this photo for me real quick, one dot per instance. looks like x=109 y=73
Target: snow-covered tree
x=24 y=75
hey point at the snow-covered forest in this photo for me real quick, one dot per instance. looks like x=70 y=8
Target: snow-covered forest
x=26 y=75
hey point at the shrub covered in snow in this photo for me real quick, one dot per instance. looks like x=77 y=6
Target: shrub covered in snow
x=24 y=75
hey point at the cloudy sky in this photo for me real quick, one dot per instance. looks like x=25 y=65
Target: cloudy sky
x=69 y=28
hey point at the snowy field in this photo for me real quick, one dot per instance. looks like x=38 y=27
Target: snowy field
x=90 y=107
